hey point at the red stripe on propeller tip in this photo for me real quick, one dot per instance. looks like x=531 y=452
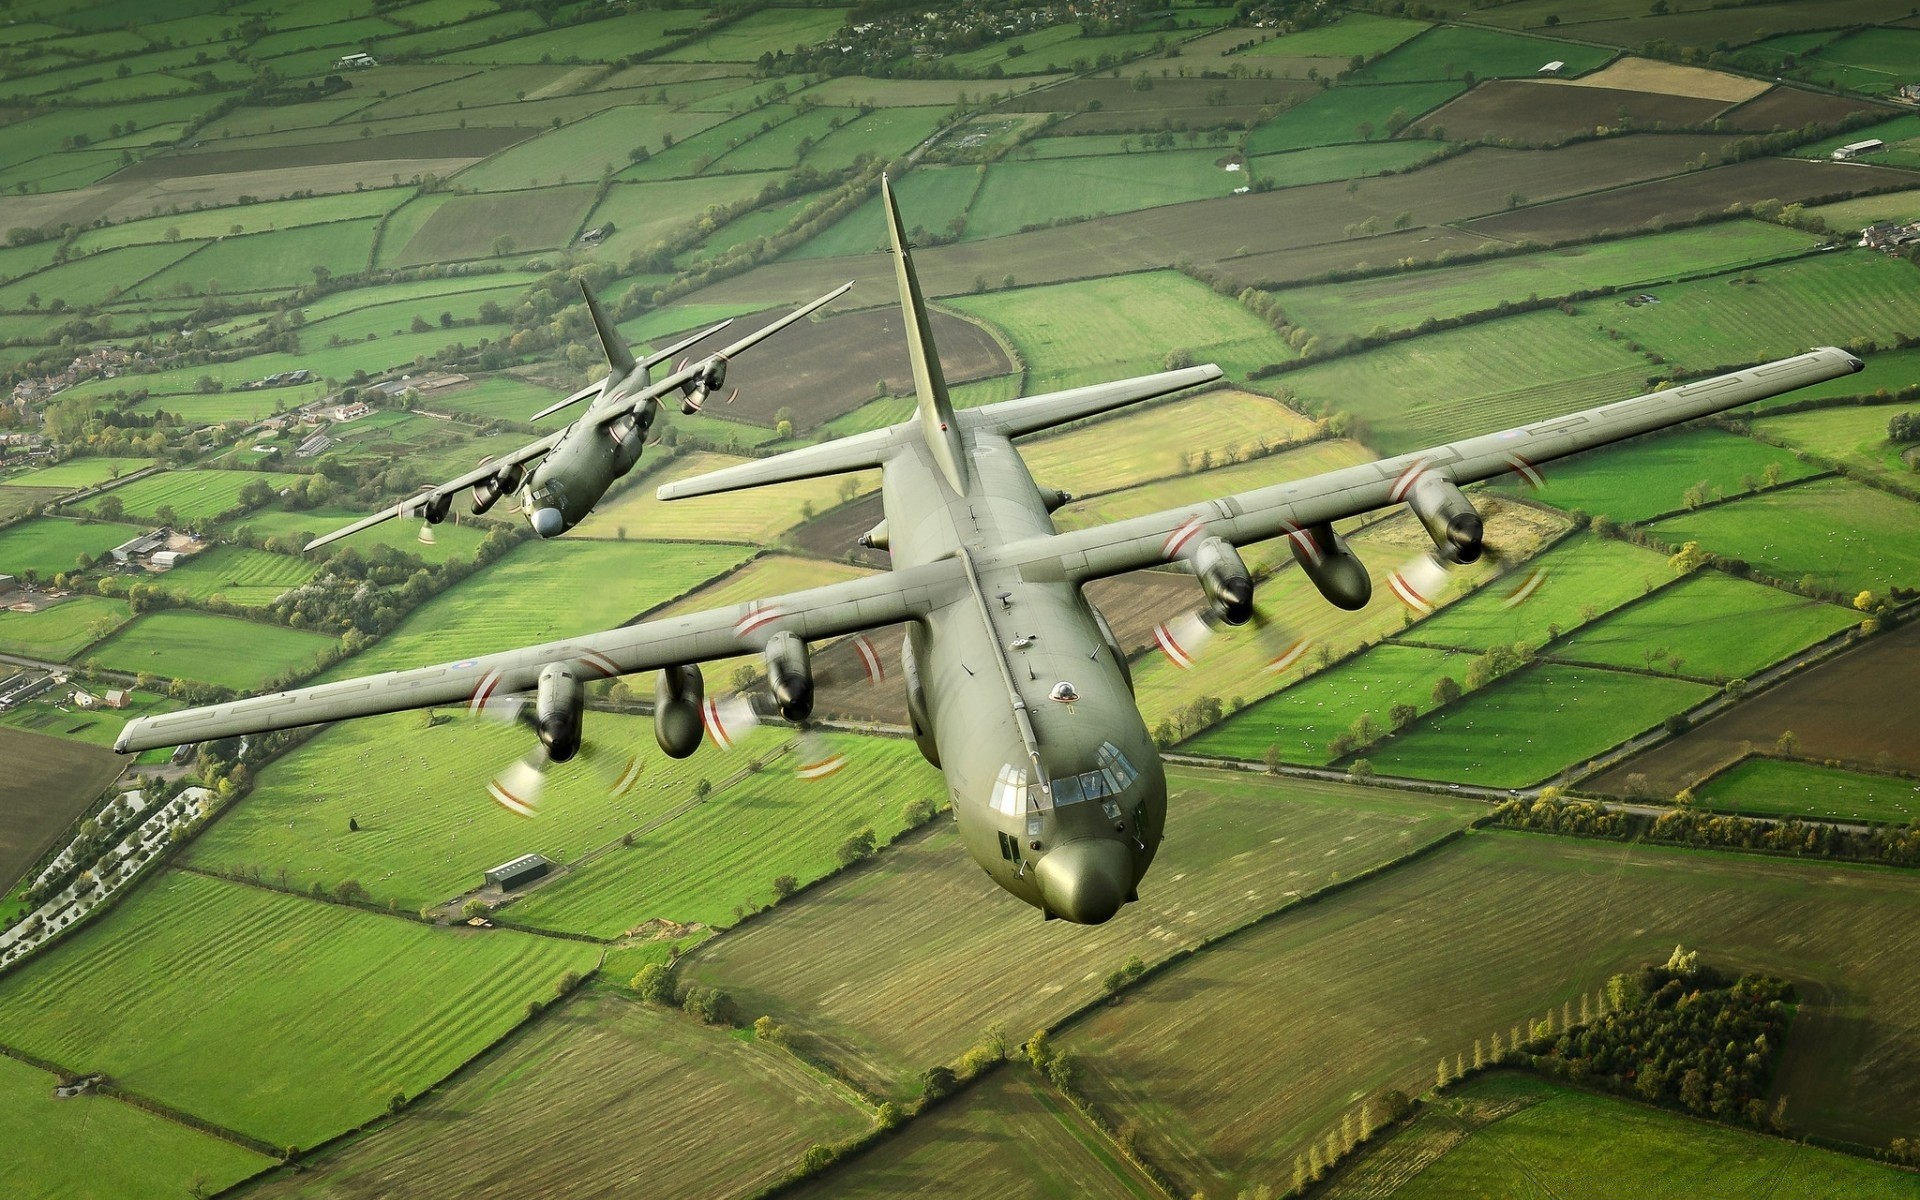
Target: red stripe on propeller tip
x=870 y=659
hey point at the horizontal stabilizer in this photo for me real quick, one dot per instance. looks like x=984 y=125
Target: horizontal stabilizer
x=857 y=453
x=1031 y=414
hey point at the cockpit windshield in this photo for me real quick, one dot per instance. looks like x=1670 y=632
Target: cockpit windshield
x=1016 y=791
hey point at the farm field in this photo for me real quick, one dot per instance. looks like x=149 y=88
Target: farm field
x=46 y=546
x=1711 y=626
x=451 y=541
x=54 y=714
x=257 y=218
x=1886 y=371
x=1845 y=536
x=1355 y=33
x=193 y=495
x=1525 y=728
x=767 y=575
x=1771 y=786
x=224 y=651
x=1337 y=115
x=78 y=473
x=1545 y=112
x=756 y=517
x=766 y=32
x=49 y=782
x=934 y=196
x=1584 y=573
x=1232 y=1103
x=1132 y=448
x=1585 y=1145
x=1449 y=51
x=645 y=214
x=543 y=592
x=575 y=1102
x=1854 y=435
x=1008 y=1135
x=1020 y=195
x=247 y=577
x=724 y=854
x=125 y=1150
x=90 y=280
x=265 y=261
x=1652 y=475
x=58 y=633
x=307 y=1020
x=1237 y=845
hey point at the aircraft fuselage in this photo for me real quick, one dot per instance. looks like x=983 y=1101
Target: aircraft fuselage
x=576 y=473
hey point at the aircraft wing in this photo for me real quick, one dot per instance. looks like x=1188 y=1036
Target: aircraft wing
x=1286 y=507
x=1030 y=414
x=413 y=505
x=814 y=614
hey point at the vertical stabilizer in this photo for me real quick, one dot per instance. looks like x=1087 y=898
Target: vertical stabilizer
x=930 y=386
x=618 y=356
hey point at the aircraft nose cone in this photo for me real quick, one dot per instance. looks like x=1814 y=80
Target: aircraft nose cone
x=547 y=522
x=1086 y=881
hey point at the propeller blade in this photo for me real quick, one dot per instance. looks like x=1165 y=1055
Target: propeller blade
x=728 y=718
x=517 y=789
x=815 y=759
x=427 y=537
x=616 y=774
x=1183 y=638
x=1420 y=582
x=1523 y=591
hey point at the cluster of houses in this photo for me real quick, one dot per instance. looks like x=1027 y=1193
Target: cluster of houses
x=157 y=549
x=1890 y=236
x=102 y=362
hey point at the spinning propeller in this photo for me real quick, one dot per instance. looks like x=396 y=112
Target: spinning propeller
x=555 y=712
x=1229 y=588
x=790 y=687
x=1459 y=538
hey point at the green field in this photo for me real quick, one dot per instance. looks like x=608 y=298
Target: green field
x=49 y=545
x=283 y=1018
x=1130 y=449
x=1713 y=626
x=588 y=41
x=58 y=633
x=1776 y=787
x=1901 y=135
x=755 y=517
x=1070 y=334
x=1528 y=922
x=94 y=1148
x=247 y=577
x=268 y=261
x=93 y=279
x=1020 y=195
x=767 y=31
x=1297 y=168
x=581 y=151
x=1354 y=33
x=54 y=715
x=1237 y=845
x=225 y=651
x=930 y=198
x=193 y=495
x=1653 y=475
x=1526 y=1136
x=1525 y=728
x=1843 y=535
x=77 y=473
x=1336 y=115
x=254 y=218
x=451 y=541
x=1586 y=573
x=646 y=214
x=1854 y=435
x=1451 y=52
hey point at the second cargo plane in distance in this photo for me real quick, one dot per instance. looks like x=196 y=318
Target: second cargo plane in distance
x=579 y=463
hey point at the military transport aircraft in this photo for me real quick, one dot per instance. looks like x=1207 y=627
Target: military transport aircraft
x=579 y=463
x=1016 y=687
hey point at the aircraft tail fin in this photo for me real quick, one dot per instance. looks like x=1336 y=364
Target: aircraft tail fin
x=618 y=356
x=929 y=383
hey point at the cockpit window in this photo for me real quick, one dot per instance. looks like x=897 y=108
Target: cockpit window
x=1066 y=790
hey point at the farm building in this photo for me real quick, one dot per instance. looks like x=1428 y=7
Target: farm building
x=118 y=698
x=20 y=688
x=354 y=62
x=1889 y=235
x=1910 y=92
x=166 y=560
x=1552 y=68
x=350 y=412
x=1856 y=149
x=139 y=547
x=525 y=869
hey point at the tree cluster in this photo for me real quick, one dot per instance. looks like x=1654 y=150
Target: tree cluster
x=1895 y=845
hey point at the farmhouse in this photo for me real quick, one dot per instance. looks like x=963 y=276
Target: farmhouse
x=1889 y=235
x=118 y=698
x=1856 y=149
x=525 y=869
x=1909 y=92
x=350 y=412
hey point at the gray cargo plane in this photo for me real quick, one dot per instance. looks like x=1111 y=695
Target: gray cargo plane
x=579 y=463
x=1017 y=690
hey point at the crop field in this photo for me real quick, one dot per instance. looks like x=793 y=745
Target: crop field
x=1784 y=787
x=1844 y=535
x=49 y=545
x=1526 y=727
x=267 y=261
x=1451 y=51
x=543 y=592
x=583 y=150
x=467 y=226
x=1579 y=1144
x=588 y=41
x=1297 y=168
x=1020 y=195
x=1009 y=1135
x=1355 y=33
x=1300 y=720
x=225 y=651
x=93 y=279
x=193 y=495
x=1856 y=436
x=1542 y=113
x=254 y=218
x=94 y=1148
x=1711 y=626
x=1652 y=476
x=576 y=1103
x=755 y=517
x=1072 y=334
x=766 y=32
x=58 y=633
x=726 y=853
x=244 y=576
x=1852 y=709
x=1132 y=448
x=646 y=213
x=48 y=782
x=1403 y=301
x=1237 y=845
x=77 y=473
x=1240 y=1099
x=304 y=1023
x=1337 y=115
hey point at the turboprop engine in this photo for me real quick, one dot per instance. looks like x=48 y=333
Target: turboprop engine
x=677 y=695
x=917 y=717
x=1225 y=579
x=501 y=483
x=1450 y=518
x=1332 y=565
x=713 y=374
x=559 y=708
x=790 y=676
x=435 y=509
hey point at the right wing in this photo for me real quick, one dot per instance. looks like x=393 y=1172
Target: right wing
x=651 y=361
x=416 y=504
x=815 y=614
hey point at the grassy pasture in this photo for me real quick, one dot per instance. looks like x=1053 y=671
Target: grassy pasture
x=53 y=715
x=1885 y=372
x=1585 y=572
x=1842 y=534
x=1856 y=436
x=1336 y=115
x=265 y=261
x=930 y=198
x=1354 y=33
x=16 y=261
x=1302 y=719
x=396 y=318
x=768 y=31
x=703 y=866
x=48 y=545
x=589 y=41
x=1782 y=787
x=1651 y=476
x=1071 y=334
x=756 y=517
x=43 y=134
x=90 y=280
x=1714 y=627
x=504 y=397
x=226 y=651
x=760 y=223
x=1403 y=301
x=779 y=147
x=450 y=540
x=1297 y=168
x=1237 y=845
x=884 y=133
x=584 y=149
x=93 y=1148
x=1019 y=195
x=1009 y=1135
x=1865 y=210
x=692 y=155
x=1451 y=51
x=1132 y=448
x=242 y=575
x=646 y=213
x=466 y=226
x=193 y=495
x=484 y=33
x=77 y=473
x=306 y=1020
x=1526 y=727
x=58 y=633
x=1579 y=1144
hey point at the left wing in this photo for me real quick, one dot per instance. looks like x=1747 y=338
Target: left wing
x=814 y=614
x=1288 y=507
x=416 y=504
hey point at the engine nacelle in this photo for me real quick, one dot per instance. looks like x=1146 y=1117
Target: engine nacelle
x=559 y=710
x=435 y=509
x=1450 y=518
x=502 y=483
x=1054 y=498
x=917 y=717
x=712 y=375
x=677 y=695
x=790 y=676
x=1225 y=579
x=1334 y=568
